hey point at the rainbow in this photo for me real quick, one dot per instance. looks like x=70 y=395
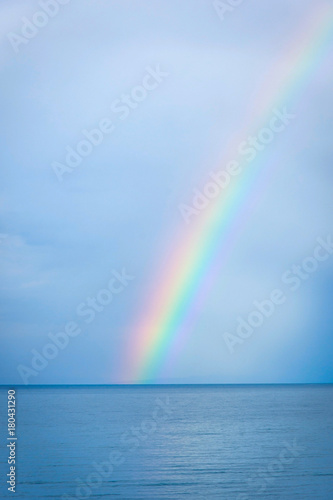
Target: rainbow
x=174 y=303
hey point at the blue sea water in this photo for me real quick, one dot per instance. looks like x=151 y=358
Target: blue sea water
x=171 y=442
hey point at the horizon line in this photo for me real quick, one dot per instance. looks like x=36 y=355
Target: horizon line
x=166 y=384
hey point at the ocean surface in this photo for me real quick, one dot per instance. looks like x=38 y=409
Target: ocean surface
x=171 y=442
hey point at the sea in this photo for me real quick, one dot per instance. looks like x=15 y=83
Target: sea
x=234 y=442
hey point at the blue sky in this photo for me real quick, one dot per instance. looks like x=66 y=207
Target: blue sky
x=119 y=208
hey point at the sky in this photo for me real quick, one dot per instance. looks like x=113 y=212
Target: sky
x=159 y=90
